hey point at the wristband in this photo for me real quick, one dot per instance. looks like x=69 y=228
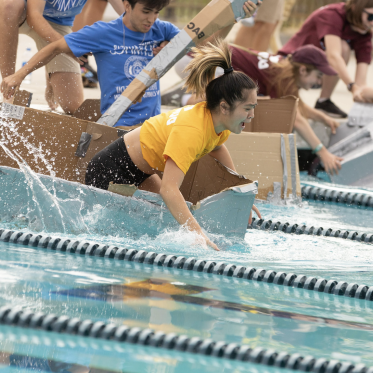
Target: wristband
x=318 y=148
x=350 y=85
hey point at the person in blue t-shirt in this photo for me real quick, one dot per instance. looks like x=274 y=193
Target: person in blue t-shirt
x=122 y=48
x=45 y=21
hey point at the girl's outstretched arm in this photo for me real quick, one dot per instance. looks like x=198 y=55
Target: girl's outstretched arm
x=170 y=192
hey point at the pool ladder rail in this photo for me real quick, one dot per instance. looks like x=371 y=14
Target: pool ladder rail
x=71 y=246
x=18 y=317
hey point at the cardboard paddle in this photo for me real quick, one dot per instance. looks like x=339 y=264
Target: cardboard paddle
x=213 y=17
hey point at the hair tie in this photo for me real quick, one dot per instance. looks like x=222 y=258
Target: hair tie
x=227 y=71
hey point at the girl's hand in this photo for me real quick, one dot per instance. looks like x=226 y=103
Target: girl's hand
x=10 y=84
x=250 y=8
x=257 y=212
x=211 y=244
x=357 y=93
x=332 y=163
x=333 y=124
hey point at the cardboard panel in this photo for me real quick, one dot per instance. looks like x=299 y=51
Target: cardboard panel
x=22 y=98
x=274 y=115
x=206 y=177
x=89 y=110
x=257 y=156
x=37 y=134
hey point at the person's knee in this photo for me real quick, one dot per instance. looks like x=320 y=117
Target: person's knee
x=12 y=10
x=346 y=51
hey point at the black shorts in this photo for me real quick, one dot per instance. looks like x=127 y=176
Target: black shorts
x=113 y=163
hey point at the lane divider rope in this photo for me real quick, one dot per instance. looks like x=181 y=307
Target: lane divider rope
x=72 y=246
x=337 y=196
x=17 y=317
x=271 y=225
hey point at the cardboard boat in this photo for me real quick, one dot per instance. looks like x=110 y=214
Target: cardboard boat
x=45 y=144
x=354 y=142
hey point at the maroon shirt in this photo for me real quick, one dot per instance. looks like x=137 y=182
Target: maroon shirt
x=330 y=20
x=256 y=67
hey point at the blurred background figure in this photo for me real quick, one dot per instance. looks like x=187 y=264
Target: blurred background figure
x=258 y=36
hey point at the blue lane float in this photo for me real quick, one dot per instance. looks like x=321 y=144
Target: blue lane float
x=17 y=317
x=67 y=245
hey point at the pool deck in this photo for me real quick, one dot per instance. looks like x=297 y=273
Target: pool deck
x=341 y=96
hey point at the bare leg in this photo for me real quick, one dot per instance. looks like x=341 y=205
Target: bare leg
x=244 y=36
x=262 y=36
x=93 y=11
x=68 y=90
x=257 y=37
x=151 y=184
x=12 y=14
x=330 y=81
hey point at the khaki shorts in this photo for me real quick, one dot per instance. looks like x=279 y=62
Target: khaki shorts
x=61 y=63
x=270 y=11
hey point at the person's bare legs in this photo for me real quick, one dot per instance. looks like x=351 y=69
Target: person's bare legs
x=93 y=11
x=262 y=37
x=12 y=14
x=244 y=36
x=367 y=94
x=67 y=90
x=330 y=81
x=257 y=37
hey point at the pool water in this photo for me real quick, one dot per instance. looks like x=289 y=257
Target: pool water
x=186 y=302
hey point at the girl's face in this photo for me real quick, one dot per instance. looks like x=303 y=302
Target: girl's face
x=235 y=120
x=365 y=16
x=308 y=80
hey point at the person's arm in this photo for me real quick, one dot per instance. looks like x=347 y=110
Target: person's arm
x=221 y=153
x=117 y=6
x=36 y=21
x=319 y=116
x=333 y=45
x=360 y=82
x=331 y=162
x=12 y=82
x=170 y=192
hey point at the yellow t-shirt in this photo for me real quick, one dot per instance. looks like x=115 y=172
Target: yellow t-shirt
x=184 y=135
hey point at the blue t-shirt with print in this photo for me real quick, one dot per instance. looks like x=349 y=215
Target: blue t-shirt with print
x=63 y=12
x=120 y=55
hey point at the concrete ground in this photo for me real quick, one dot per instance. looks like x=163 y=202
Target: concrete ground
x=37 y=85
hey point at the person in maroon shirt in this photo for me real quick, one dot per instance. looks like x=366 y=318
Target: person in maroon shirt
x=278 y=76
x=338 y=29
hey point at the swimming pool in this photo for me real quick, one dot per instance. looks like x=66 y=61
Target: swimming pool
x=256 y=298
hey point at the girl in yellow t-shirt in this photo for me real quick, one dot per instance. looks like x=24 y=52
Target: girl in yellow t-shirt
x=169 y=143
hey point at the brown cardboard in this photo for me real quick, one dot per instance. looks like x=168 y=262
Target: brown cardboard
x=207 y=177
x=89 y=110
x=215 y=16
x=257 y=156
x=276 y=115
x=58 y=136
x=22 y=98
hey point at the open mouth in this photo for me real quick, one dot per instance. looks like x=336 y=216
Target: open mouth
x=243 y=125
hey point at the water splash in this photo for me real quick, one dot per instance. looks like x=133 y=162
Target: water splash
x=46 y=212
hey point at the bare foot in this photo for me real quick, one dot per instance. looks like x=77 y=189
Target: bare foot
x=49 y=96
